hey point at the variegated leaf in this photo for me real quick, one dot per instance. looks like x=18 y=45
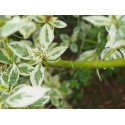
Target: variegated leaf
x=74 y=47
x=4 y=78
x=65 y=37
x=4 y=19
x=10 y=76
x=37 y=75
x=108 y=51
x=46 y=36
x=4 y=88
x=26 y=96
x=3 y=85
x=117 y=44
x=20 y=49
x=40 y=19
x=122 y=31
x=27 y=29
x=116 y=55
x=58 y=24
x=42 y=101
x=112 y=35
x=88 y=55
x=56 y=52
x=11 y=27
x=25 y=69
x=122 y=50
x=13 y=75
x=4 y=57
x=98 y=20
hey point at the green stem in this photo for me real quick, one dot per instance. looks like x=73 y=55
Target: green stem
x=88 y=64
x=78 y=21
x=88 y=40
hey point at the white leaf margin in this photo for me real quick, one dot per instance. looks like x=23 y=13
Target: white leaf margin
x=29 y=96
x=56 y=52
x=32 y=75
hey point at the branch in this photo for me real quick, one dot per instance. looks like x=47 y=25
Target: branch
x=88 y=64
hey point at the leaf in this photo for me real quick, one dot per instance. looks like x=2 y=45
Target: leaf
x=4 y=78
x=118 y=44
x=58 y=24
x=76 y=30
x=3 y=19
x=40 y=19
x=26 y=96
x=27 y=29
x=53 y=45
x=121 y=19
x=46 y=36
x=4 y=57
x=114 y=38
x=56 y=92
x=11 y=27
x=37 y=75
x=42 y=101
x=33 y=62
x=48 y=79
x=54 y=61
x=98 y=20
x=10 y=76
x=112 y=34
x=4 y=88
x=65 y=38
x=115 y=55
x=75 y=34
x=18 y=24
x=122 y=31
x=106 y=53
x=55 y=97
x=56 y=52
x=25 y=69
x=65 y=89
x=27 y=42
x=55 y=101
x=122 y=50
x=88 y=55
x=3 y=96
x=74 y=47
x=13 y=75
x=52 y=81
x=20 y=49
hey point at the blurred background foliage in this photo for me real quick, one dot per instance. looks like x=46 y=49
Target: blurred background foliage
x=82 y=88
